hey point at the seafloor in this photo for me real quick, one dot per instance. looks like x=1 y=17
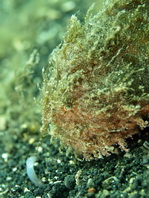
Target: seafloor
x=29 y=31
x=123 y=175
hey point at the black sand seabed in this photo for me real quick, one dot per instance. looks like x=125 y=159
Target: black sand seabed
x=117 y=176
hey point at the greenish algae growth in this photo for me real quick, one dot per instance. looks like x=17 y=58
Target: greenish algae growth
x=24 y=51
x=96 y=88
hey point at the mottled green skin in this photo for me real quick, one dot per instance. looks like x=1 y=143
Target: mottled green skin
x=96 y=92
